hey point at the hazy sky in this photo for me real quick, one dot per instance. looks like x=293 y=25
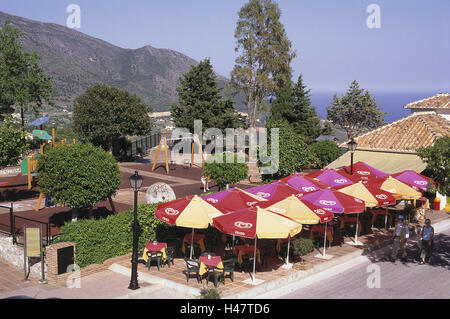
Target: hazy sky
x=409 y=52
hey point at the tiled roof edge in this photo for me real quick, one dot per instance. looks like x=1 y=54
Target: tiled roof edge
x=411 y=104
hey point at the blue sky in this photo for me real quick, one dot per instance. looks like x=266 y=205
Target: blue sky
x=409 y=53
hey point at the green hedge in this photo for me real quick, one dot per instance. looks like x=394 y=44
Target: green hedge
x=100 y=239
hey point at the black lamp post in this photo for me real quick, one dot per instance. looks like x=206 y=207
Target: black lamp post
x=136 y=183
x=352 y=147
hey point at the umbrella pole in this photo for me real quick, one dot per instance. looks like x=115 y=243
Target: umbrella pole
x=289 y=243
x=325 y=240
x=192 y=242
x=357 y=223
x=254 y=260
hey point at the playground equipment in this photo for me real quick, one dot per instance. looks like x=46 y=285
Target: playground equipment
x=175 y=158
x=31 y=161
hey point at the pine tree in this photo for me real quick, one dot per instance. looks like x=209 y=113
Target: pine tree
x=199 y=98
x=293 y=104
x=356 y=112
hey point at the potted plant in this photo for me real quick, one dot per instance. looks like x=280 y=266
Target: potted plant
x=301 y=247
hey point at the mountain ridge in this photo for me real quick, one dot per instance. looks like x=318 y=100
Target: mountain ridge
x=77 y=61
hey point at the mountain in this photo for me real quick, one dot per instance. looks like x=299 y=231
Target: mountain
x=77 y=61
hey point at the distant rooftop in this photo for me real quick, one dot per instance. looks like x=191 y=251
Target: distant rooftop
x=420 y=129
x=438 y=101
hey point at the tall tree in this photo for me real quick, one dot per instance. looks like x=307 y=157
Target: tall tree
x=199 y=98
x=102 y=114
x=22 y=82
x=293 y=104
x=263 y=64
x=355 y=112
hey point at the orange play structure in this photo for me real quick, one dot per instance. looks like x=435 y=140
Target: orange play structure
x=170 y=143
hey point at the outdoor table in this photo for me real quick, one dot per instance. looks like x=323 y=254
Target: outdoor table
x=198 y=238
x=242 y=250
x=320 y=229
x=382 y=212
x=155 y=247
x=347 y=219
x=205 y=263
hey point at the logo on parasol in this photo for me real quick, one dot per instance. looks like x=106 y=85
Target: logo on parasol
x=381 y=196
x=340 y=181
x=171 y=211
x=421 y=183
x=358 y=200
x=309 y=189
x=243 y=225
x=320 y=211
x=327 y=202
x=251 y=203
x=263 y=195
x=212 y=200
x=363 y=172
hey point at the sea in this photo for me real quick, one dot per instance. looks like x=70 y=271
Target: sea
x=389 y=102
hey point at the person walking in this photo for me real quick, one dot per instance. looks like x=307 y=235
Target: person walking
x=427 y=242
x=401 y=235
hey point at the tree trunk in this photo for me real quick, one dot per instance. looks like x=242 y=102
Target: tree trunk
x=249 y=108
x=21 y=116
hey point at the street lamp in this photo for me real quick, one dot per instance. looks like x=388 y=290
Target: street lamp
x=136 y=183
x=351 y=147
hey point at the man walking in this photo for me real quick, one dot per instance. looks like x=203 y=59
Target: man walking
x=427 y=242
x=401 y=235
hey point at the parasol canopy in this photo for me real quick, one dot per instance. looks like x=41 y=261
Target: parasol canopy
x=332 y=178
x=415 y=180
x=300 y=211
x=256 y=221
x=398 y=189
x=231 y=200
x=363 y=171
x=191 y=211
x=274 y=191
x=39 y=121
x=41 y=134
x=302 y=183
x=334 y=201
x=358 y=190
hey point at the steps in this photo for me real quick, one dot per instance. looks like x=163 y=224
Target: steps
x=254 y=176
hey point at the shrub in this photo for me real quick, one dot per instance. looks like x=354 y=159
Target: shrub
x=12 y=144
x=302 y=247
x=78 y=175
x=225 y=172
x=326 y=152
x=209 y=293
x=99 y=239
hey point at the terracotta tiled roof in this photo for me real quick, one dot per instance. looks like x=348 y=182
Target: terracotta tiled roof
x=438 y=101
x=420 y=129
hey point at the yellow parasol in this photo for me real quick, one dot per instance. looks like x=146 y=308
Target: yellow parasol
x=358 y=190
x=399 y=189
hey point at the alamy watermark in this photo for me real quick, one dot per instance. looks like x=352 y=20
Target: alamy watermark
x=373 y=21
x=234 y=143
x=74 y=19
x=74 y=279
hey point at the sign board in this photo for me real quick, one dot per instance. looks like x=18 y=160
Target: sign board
x=33 y=242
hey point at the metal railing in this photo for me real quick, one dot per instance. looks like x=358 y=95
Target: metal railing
x=142 y=144
x=16 y=233
x=11 y=218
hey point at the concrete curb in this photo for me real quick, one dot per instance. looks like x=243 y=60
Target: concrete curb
x=300 y=275
x=186 y=291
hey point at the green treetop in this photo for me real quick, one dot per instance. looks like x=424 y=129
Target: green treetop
x=356 y=112
x=22 y=82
